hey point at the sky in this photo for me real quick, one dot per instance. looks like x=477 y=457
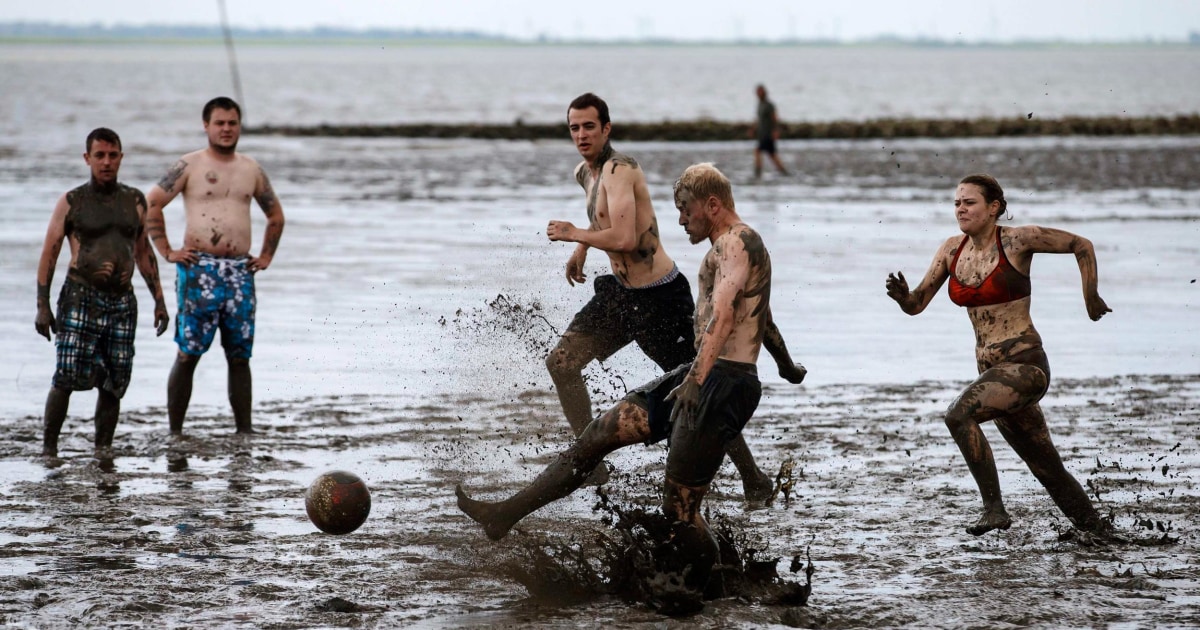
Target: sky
x=962 y=20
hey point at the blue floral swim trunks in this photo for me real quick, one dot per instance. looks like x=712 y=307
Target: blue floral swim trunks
x=215 y=293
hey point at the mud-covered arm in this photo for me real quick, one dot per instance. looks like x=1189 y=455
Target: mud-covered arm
x=147 y=264
x=575 y=274
x=732 y=275
x=915 y=301
x=56 y=231
x=161 y=194
x=264 y=194
x=1031 y=239
x=790 y=371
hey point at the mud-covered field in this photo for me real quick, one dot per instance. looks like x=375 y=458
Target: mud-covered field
x=210 y=530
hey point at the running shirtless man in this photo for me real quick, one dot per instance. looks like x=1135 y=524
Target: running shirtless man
x=645 y=299
x=215 y=271
x=703 y=405
x=104 y=222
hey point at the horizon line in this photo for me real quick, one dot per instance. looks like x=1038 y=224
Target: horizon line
x=32 y=30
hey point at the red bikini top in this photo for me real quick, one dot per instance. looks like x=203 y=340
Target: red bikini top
x=1003 y=284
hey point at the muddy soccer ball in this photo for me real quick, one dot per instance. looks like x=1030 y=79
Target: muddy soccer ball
x=337 y=502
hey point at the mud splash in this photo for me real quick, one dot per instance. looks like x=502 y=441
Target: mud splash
x=635 y=562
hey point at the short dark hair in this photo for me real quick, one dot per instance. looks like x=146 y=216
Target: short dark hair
x=221 y=102
x=105 y=134
x=584 y=101
x=990 y=187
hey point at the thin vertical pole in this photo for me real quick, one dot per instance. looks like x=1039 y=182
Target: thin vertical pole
x=233 y=66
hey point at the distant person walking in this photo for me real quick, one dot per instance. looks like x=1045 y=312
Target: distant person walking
x=766 y=131
x=104 y=222
x=215 y=271
x=988 y=269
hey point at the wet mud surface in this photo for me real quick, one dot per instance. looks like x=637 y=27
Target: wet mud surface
x=210 y=530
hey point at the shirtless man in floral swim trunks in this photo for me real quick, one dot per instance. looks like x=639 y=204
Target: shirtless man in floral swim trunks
x=214 y=268
x=103 y=220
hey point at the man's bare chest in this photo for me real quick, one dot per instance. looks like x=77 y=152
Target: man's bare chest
x=211 y=183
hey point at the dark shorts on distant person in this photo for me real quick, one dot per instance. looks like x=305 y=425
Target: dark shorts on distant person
x=215 y=294
x=767 y=145
x=659 y=317
x=728 y=399
x=94 y=338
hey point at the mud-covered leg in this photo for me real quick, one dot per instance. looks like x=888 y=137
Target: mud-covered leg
x=697 y=547
x=621 y=426
x=240 y=393
x=565 y=364
x=1027 y=433
x=108 y=410
x=999 y=391
x=179 y=389
x=973 y=444
x=756 y=484
x=57 y=402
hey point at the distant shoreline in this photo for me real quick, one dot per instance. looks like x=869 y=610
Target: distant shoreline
x=708 y=131
x=42 y=32
x=293 y=39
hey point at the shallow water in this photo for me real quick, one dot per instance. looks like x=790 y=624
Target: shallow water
x=379 y=352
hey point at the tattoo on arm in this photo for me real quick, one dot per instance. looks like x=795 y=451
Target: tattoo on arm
x=169 y=180
x=272 y=243
x=43 y=294
x=266 y=197
x=154 y=229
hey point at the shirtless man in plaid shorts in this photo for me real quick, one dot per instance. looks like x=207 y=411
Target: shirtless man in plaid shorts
x=104 y=222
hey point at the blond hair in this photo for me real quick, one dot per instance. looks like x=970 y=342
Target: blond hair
x=701 y=181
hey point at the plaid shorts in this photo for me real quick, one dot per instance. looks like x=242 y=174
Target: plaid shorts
x=94 y=338
x=215 y=294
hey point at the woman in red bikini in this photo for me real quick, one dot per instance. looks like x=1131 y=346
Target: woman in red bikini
x=988 y=269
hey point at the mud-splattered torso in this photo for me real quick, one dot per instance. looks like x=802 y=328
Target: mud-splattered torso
x=647 y=262
x=749 y=304
x=216 y=198
x=1001 y=330
x=102 y=224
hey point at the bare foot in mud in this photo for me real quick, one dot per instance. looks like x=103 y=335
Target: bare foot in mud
x=991 y=519
x=759 y=488
x=484 y=513
x=1100 y=534
x=599 y=475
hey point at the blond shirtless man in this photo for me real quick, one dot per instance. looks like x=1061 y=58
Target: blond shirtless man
x=214 y=269
x=645 y=299
x=702 y=405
